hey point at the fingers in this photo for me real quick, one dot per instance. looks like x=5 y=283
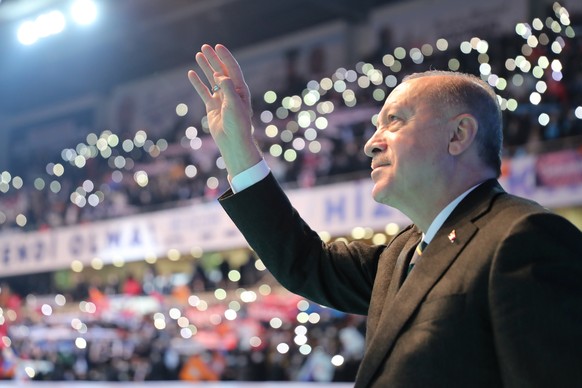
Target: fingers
x=205 y=67
x=212 y=58
x=219 y=61
x=219 y=66
x=230 y=63
x=200 y=87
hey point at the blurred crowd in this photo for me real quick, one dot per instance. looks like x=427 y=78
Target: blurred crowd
x=141 y=332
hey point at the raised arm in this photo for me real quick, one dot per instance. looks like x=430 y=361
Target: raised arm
x=228 y=107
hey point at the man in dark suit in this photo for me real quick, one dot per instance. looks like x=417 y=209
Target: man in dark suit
x=483 y=290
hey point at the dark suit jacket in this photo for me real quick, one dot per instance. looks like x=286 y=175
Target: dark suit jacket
x=500 y=304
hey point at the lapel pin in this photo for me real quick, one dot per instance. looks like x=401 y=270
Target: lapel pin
x=452 y=236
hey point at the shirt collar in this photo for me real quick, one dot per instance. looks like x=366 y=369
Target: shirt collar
x=443 y=215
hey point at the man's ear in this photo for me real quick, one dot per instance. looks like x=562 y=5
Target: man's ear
x=463 y=134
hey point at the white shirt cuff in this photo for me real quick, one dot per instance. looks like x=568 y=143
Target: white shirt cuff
x=250 y=176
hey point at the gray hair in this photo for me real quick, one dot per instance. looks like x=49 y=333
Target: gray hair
x=474 y=95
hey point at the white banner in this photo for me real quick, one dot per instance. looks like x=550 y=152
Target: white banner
x=336 y=209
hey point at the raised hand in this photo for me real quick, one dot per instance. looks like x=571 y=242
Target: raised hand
x=228 y=107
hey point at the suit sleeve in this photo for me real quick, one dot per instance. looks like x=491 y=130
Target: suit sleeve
x=337 y=275
x=536 y=303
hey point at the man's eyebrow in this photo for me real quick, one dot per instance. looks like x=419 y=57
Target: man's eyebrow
x=383 y=118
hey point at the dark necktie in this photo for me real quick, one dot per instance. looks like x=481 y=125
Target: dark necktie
x=417 y=254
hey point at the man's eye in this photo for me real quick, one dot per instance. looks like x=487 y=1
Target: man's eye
x=392 y=118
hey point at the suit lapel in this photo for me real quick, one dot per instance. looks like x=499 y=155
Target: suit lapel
x=402 y=301
x=376 y=352
x=400 y=271
x=436 y=259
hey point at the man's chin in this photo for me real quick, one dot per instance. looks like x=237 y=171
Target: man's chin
x=379 y=195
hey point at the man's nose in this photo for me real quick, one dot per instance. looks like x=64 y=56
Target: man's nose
x=374 y=145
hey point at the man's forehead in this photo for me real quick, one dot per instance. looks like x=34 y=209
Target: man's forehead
x=415 y=92
x=404 y=94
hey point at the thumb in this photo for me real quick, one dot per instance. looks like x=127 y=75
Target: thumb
x=236 y=93
x=235 y=96
x=228 y=88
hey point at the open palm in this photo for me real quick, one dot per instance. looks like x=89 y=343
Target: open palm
x=228 y=108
